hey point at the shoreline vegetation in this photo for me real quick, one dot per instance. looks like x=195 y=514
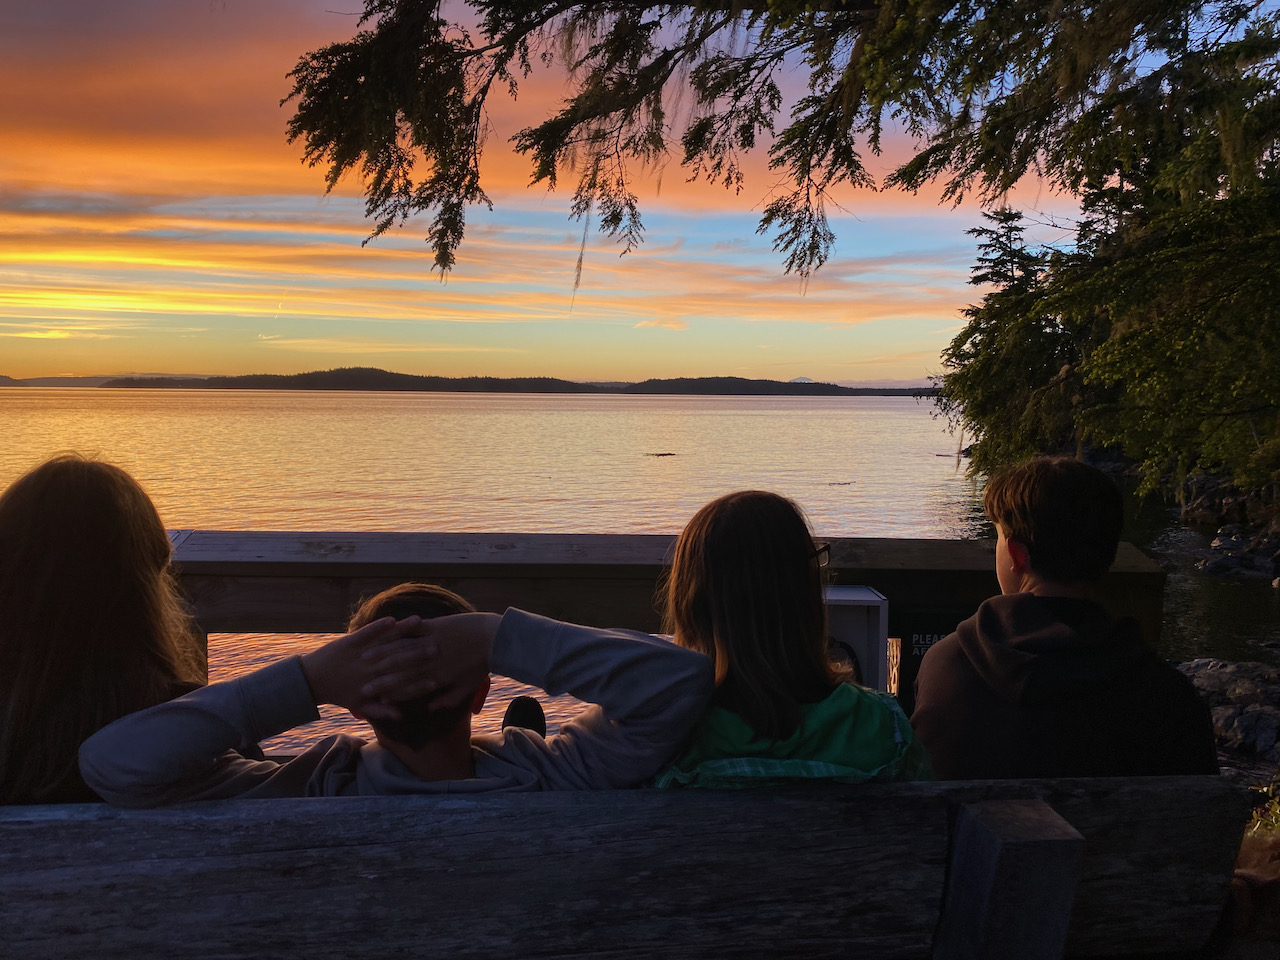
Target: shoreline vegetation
x=370 y=378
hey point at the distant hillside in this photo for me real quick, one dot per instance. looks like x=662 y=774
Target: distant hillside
x=9 y=382
x=742 y=387
x=362 y=378
x=368 y=378
x=64 y=381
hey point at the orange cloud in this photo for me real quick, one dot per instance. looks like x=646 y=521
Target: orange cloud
x=322 y=272
x=150 y=208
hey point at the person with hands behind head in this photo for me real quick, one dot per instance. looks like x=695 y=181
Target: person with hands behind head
x=417 y=682
x=190 y=749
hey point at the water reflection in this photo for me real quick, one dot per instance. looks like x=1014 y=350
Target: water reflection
x=232 y=654
x=1235 y=618
x=296 y=460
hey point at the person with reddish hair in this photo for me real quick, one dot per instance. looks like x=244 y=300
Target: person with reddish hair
x=92 y=624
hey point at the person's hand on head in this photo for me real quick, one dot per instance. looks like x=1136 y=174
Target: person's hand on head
x=338 y=672
x=447 y=658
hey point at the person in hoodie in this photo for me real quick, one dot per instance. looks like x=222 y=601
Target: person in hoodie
x=745 y=589
x=1042 y=681
x=418 y=683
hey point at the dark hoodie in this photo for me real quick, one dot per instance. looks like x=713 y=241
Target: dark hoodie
x=1054 y=687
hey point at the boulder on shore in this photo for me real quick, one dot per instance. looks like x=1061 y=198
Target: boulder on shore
x=1248 y=525
x=1236 y=549
x=1244 y=699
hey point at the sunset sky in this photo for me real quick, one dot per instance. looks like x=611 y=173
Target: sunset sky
x=153 y=219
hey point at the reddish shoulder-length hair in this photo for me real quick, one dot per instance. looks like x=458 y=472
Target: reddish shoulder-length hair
x=745 y=588
x=92 y=626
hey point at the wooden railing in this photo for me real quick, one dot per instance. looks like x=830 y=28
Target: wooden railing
x=287 y=582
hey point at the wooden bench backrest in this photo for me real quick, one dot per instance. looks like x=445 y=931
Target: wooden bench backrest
x=830 y=871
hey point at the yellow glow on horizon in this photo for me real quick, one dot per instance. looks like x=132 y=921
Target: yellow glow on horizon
x=232 y=266
x=346 y=346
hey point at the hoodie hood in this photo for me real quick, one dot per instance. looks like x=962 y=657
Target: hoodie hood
x=1037 y=650
x=1052 y=687
x=380 y=773
x=852 y=736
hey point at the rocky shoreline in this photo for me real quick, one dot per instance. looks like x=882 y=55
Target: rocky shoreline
x=1244 y=699
x=1237 y=549
x=1248 y=525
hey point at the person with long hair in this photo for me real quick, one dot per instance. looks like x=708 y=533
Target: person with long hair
x=745 y=589
x=92 y=625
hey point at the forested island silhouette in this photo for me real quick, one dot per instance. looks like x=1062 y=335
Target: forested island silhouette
x=371 y=378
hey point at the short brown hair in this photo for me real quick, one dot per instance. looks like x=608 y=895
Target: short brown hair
x=745 y=588
x=1067 y=513
x=418 y=724
x=92 y=623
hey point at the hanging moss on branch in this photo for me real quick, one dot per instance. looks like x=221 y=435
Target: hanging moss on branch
x=987 y=91
x=1154 y=329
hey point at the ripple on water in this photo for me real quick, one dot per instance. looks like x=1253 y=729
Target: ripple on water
x=234 y=654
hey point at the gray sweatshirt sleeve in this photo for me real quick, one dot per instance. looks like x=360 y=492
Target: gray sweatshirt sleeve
x=185 y=749
x=645 y=692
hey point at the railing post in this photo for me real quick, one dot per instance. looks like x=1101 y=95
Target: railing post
x=1011 y=883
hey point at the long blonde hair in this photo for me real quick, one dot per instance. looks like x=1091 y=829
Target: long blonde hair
x=745 y=588
x=92 y=625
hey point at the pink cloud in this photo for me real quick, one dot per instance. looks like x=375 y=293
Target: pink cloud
x=668 y=323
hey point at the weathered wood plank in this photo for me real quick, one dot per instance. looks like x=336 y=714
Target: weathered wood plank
x=603 y=875
x=323 y=604
x=836 y=871
x=1014 y=869
x=287 y=552
x=278 y=553
x=1157 y=859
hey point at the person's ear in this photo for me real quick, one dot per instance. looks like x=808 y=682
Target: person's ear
x=477 y=702
x=1019 y=556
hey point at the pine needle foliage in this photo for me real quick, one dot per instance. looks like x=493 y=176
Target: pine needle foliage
x=1156 y=330
x=989 y=91
x=1158 y=337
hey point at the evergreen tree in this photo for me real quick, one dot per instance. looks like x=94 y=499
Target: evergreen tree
x=1192 y=353
x=1012 y=374
x=989 y=91
x=1167 y=295
x=1160 y=339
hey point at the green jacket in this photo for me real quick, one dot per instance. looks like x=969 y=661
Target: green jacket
x=852 y=736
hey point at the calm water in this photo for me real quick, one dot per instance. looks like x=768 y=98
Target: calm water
x=277 y=460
